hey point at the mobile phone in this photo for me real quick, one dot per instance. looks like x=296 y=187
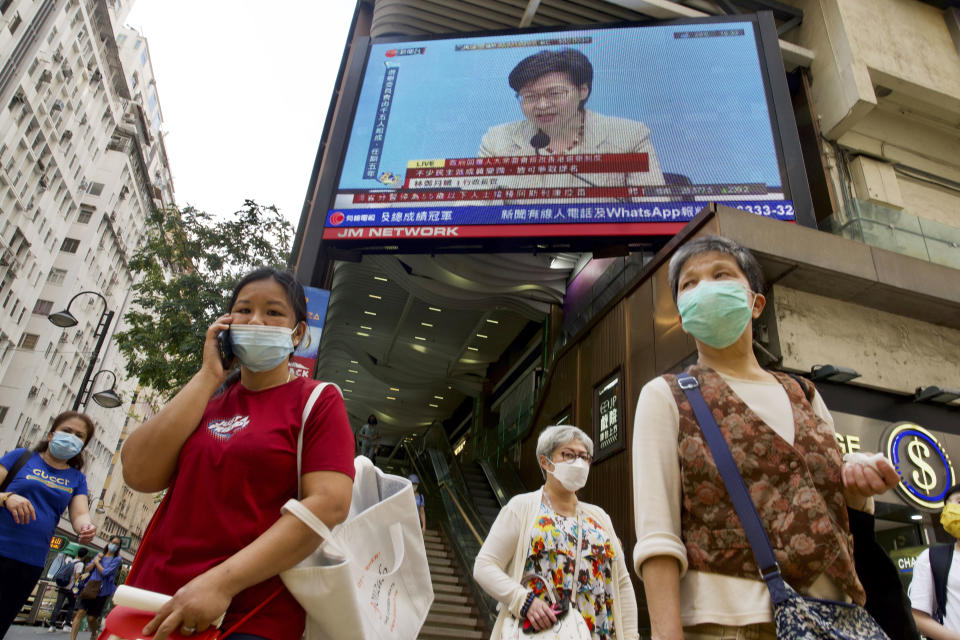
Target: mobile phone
x=225 y=348
x=559 y=610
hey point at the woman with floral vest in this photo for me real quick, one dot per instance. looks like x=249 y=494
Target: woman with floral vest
x=698 y=570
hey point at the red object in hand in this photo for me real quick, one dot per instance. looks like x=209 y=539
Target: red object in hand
x=125 y=623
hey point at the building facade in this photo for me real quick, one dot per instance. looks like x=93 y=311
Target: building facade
x=82 y=163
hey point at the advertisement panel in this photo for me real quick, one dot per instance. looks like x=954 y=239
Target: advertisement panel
x=305 y=357
x=616 y=131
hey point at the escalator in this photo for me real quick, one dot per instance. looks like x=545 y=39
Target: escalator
x=461 y=502
x=481 y=492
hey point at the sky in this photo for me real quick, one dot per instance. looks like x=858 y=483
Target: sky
x=244 y=93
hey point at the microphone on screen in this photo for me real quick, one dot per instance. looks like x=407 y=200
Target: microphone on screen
x=541 y=140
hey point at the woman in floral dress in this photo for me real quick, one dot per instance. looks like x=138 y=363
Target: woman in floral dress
x=534 y=541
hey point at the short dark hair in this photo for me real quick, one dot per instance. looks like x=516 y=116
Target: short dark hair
x=569 y=62
x=705 y=244
x=76 y=461
x=952 y=490
x=83 y=552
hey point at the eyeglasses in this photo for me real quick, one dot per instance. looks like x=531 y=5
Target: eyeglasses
x=553 y=96
x=570 y=456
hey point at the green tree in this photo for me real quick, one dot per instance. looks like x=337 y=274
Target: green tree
x=184 y=275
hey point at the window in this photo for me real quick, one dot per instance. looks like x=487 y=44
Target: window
x=95 y=188
x=4 y=5
x=143 y=58
x=56 y=276
x=121 y=39
x=43 y=307
x=70 y=245
x=85 y=214
x=3 y=413
x=28 y=341
x=15 y=22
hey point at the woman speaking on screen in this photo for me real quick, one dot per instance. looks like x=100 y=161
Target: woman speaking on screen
x=552 y=89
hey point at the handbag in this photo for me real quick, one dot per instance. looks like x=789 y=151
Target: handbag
x=369 y=577
x=134 y=608
x=795 y=615
x=90 y=590
x=570 y=624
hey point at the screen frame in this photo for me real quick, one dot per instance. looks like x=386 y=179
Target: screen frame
x=782 y=121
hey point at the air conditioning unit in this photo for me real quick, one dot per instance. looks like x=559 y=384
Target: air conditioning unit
x=63 y=337
x=44 y=182
x=46 y=76
x=92 y=64
x=33 y=392
x=18 y=98
x=96 y=76
x=67 y=72
x=57 y=106
x=57 y=56
x=44 y=402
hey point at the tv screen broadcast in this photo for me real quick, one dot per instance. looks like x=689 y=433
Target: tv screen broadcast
x=613 y=131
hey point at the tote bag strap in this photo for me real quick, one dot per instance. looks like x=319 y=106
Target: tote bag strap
x=737 y=488
x=307 y=408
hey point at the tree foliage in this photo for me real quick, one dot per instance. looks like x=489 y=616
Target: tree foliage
x=183 y=278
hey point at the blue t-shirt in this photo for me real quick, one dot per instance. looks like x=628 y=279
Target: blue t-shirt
x=109 y=575
x=419 y=499
x=49 y=490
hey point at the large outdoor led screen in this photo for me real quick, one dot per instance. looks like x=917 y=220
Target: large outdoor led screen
x=597 y=132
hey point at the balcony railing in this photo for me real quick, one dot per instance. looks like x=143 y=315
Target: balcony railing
x=897 y=231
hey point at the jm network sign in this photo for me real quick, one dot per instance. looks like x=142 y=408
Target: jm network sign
x=305 y=357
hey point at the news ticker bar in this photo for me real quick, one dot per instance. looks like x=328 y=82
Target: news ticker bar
x=541 y=215
x=506 y=188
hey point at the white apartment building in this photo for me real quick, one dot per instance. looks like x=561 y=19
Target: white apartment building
x=82 y=163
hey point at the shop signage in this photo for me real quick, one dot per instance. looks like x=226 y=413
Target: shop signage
x=926 y=472
x=608 y=412
x=57 y=542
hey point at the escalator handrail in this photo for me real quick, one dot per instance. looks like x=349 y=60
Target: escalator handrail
x=498 y=491
x=473 y=530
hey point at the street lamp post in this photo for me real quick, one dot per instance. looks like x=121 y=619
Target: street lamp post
x=108 y=398
x=66 y=319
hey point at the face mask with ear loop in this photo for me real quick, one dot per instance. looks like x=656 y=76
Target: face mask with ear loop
x=572 y=475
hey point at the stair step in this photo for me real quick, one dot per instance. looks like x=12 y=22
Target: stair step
x=450 y=621
x=451 y=609
x=449 y=598
x=448 y=588
x=437 y=632
x=439 y=561
x=435 y=570
x=437 y=555
x=445 y=578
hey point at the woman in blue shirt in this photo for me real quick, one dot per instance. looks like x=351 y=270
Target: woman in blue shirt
x=50 y=481
x=103 y=569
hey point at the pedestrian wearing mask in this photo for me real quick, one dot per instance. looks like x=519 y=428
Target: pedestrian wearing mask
x=698 y=569
x=419 y=501
x=938 y=614
x=96 y=591
x=66 y=597
x=226 y=449
x=534 y=541
x=39 y=486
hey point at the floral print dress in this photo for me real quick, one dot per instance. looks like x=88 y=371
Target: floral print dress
x=553 y=555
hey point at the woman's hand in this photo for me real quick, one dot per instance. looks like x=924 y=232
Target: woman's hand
x=193 y=608
x=865 y=476
x=540 y=615
x=21 y=509
x=211 y=351
x=86 y=533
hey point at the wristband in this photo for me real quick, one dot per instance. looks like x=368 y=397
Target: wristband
x=526 y=604
x=6 y=496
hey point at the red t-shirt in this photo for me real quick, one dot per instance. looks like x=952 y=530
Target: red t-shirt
x=234 y=473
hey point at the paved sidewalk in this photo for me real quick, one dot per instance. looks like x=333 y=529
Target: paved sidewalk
x=22 y=632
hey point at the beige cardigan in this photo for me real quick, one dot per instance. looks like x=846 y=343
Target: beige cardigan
x=499 y=565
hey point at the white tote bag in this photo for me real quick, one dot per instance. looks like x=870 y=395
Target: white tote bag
x=369 y=578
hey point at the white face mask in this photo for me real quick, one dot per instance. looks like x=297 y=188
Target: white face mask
x=572 y=475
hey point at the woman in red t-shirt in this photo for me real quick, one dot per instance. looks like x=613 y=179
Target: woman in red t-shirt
x=226 y=448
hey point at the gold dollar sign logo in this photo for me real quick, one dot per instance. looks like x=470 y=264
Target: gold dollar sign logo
x=923 y=476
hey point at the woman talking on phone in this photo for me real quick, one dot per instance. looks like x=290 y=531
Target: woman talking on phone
x=226 y=450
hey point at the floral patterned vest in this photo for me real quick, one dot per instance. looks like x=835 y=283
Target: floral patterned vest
x=797 y=490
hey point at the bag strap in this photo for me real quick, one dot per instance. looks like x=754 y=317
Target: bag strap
x=737 y=488
x=307 y=409
x=941 y=557
x=19 y=464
